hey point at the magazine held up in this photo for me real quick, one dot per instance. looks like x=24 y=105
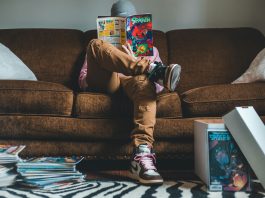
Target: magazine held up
x=135 y=30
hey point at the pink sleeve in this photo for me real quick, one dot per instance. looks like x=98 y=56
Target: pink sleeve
x=155 y=57
x=156 y=54
x=82 y=76
x=159 y=88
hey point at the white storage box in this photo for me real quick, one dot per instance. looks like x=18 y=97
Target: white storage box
x=248 y=131
x=218 y=160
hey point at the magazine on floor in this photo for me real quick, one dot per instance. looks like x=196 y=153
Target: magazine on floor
x=9 y=153
x=49 y=172
x=8 y=158
x=7 y=175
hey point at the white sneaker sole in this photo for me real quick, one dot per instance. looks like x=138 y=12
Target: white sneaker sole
x=173 y=77
x=143 y=181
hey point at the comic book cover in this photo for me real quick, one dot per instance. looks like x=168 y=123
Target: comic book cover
x=139 y=34
x=112 y=30
x=135 y=30
x=10 y=149
x=9 y=153
x=229 y=170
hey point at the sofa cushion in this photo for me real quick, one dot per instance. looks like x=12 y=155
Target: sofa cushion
x=35 y=97
x=212 y=56
x=53 y=55
x=99 y=150
x=256 y=70
x=77 y=129
x=12 y=68
x=98 y=105
x=92 y=137
x=216 y=100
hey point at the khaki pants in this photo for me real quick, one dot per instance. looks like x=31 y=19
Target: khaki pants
x=104 y=63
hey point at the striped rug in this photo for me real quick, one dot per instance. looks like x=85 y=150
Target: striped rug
x=96 y=186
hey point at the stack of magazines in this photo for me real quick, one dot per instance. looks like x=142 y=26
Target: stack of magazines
x=8 y=159
x=49 y=172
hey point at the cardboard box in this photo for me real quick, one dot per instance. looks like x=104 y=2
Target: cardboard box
x=248 y=131
x=218 y=160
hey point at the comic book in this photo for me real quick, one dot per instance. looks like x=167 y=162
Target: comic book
x=46 y=172
x=229 y=170
x=9 y=153
x=7 y=175
x=53 y=161
x=8 y=158
x=135 y=30
x=247 y=128
x=49 y=163
x=10 y=149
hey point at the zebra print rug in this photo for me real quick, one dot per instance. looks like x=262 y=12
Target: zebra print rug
x=117 y=189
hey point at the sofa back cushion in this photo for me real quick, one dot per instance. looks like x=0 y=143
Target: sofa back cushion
x=212 y=56
x=54 y=55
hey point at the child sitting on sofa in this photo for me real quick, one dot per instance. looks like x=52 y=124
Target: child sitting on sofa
x=106 y=69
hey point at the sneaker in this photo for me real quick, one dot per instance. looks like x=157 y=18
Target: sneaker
x=169 y=74
x=143 y=168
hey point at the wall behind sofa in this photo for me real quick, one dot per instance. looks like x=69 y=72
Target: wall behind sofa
x=167 y=14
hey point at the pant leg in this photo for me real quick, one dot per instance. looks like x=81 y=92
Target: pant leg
x=143 y=94
x=104 y=59
x=100 y=79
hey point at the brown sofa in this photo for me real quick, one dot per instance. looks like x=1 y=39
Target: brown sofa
x=53 y=117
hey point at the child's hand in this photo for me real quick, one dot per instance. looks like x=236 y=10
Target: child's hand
x=142 y=63
x=128 y=50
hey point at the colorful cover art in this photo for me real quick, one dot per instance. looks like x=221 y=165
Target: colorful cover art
x=229 y=170
x=139 y=34
x=135 y=30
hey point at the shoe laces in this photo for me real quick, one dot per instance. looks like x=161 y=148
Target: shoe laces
x=147 y=160
x=159 y=64
x=158 y=72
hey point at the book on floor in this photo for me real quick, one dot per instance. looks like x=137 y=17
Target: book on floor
x=135 y=30
x=8 y=158
x=49 y=163
x=9 y=153
x=48 y=172
x=218 y=160
x=7 y=175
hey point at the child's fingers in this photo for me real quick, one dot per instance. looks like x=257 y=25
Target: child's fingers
x=139 y=58
x=130 y=48
x=143 y=62
x=126 y=49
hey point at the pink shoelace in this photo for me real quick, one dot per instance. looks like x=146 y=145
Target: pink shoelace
x=147 y=160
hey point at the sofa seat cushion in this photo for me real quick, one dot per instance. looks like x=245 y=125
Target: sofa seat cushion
x=217 y=100
x=35 y=97
x=98 y=105
x=22 y=127
x=100 y=150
